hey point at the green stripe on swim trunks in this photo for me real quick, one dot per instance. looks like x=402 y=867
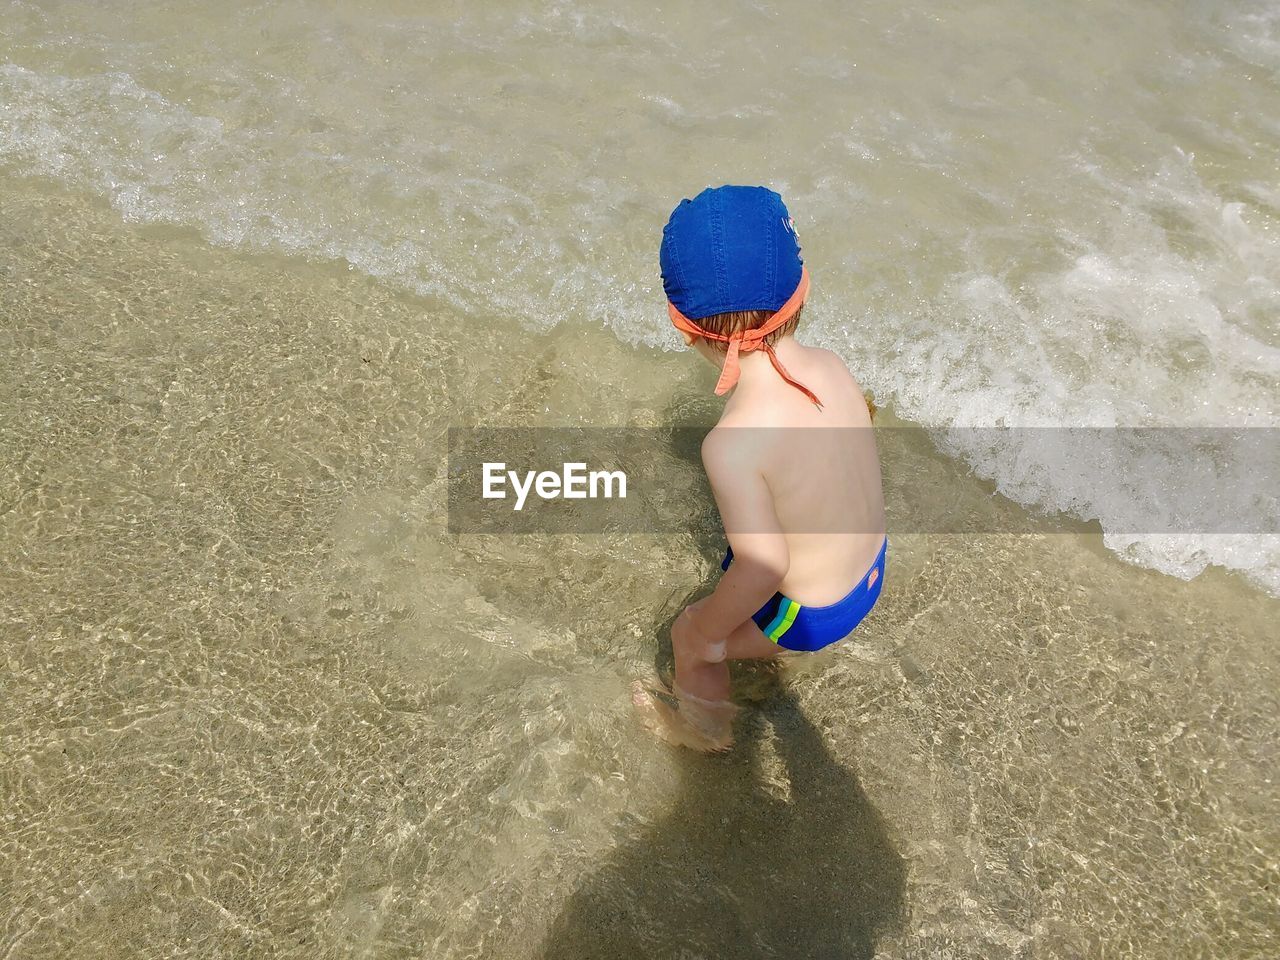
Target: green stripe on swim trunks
x=783 y=621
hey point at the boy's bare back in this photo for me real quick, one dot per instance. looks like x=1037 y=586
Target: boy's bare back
x=823 y=481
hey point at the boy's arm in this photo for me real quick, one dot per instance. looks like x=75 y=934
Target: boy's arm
x=760 y=555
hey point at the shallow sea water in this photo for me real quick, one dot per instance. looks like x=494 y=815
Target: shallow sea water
x=257 y=702
x=1014 y=214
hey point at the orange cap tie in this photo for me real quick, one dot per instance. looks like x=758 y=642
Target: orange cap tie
x=745 y=341
x=729 y=372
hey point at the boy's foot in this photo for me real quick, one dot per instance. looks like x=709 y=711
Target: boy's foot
x=684 y=720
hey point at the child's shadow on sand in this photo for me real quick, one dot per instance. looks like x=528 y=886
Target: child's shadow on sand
x=738 y=869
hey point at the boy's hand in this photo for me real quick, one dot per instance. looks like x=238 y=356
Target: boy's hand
x=686 y=634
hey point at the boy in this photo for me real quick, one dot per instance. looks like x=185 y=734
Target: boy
x=792 y=462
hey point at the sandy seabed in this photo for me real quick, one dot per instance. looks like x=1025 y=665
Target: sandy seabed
x=256 y=702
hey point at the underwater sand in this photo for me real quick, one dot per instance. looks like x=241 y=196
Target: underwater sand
x=256 y=702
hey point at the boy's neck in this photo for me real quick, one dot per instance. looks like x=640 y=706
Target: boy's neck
x=755 y=367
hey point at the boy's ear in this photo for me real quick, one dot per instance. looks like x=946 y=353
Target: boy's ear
x=688 y=338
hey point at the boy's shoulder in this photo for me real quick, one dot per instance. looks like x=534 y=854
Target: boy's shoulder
x=723 y=440
x=830 y=360
x=731 y=447
x=839 y=384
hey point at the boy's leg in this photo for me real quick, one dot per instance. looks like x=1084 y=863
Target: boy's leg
x=698 y=713
x=696 y=675
x=704 y=715
x=709 y=679
x=748 y=642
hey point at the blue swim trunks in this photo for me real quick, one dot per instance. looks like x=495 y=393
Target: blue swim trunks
x=794 y=626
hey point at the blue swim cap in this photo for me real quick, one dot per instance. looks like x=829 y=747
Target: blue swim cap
x=729 y=248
